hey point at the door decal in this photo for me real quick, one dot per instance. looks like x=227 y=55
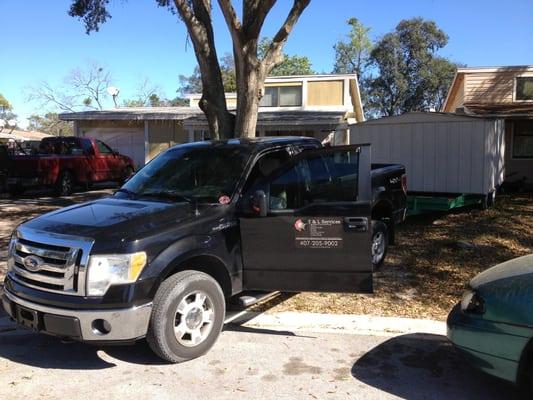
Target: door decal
x=318 y=233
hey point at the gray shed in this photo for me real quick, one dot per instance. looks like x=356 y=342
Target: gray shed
x=442 y=153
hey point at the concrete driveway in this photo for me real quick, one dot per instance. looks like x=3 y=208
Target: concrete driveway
x=246 y=363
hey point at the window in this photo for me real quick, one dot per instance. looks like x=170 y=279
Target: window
x=282 y=96
x=523 y=139
x=524 y=88
x=103 y=148
x=317 y=178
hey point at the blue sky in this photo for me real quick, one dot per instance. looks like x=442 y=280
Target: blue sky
x=41 y=42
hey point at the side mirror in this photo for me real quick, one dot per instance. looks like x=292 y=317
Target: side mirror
x=259 y=203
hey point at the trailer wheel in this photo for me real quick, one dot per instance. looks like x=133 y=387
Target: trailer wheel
x=65 y=184
x=187 y=316
x=380 y=243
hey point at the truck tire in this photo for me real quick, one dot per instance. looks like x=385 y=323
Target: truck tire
x=65 y=184
x=187 y=316
x=380 y=243
x=16 y=190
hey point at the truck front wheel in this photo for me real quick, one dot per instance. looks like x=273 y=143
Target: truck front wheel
x=380 y=242
x=187 y=316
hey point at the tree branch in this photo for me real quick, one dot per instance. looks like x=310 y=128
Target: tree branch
x=274 y=55
x=232 y=20
x=254 y=14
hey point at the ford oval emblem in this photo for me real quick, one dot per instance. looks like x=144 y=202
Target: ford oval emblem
x=33 y=263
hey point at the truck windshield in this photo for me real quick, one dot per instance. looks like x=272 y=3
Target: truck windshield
x=183 y=174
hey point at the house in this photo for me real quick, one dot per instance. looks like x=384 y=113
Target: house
x=306 y=105
x=501 y=92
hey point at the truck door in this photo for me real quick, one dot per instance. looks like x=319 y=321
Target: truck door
x=315 y=232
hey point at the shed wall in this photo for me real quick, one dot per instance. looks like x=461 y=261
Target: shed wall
x=454 y=156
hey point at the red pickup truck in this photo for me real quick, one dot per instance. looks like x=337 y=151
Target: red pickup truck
x=63 y=162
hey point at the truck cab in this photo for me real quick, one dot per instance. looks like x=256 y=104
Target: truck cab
x=198 y=224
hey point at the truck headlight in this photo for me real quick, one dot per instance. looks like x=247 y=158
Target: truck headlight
x=472 y=302
x=113 y=269
x=11 y=251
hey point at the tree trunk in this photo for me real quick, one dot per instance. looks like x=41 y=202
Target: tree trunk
x=250 y=83
x=213 y=102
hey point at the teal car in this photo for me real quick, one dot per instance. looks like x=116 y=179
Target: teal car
x=493 y=324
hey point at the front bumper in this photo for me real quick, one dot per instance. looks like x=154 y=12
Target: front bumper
x=125 y=324
x=489 y=346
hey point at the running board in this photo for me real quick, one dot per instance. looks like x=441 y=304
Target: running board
x=246 y=300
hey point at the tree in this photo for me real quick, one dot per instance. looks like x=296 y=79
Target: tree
x=193 y=83
x=411 y=76
x=250 y=70
x=352 y=54
x=5 y=105
x=51 y=124
x=291 y=65
x=6 y=112
x=147 y=95
x=82 y=89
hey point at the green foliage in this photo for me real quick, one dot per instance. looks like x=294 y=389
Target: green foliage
x=193 y=83
x=5 y=105
x=352 y=53
x=51 y=124
x=410 y=74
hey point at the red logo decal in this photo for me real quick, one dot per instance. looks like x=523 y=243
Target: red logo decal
x=224 y=199
x=299 y=225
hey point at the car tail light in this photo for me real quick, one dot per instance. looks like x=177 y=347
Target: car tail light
x=404 y=183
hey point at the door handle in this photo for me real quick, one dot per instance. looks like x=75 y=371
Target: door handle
x=358 y=224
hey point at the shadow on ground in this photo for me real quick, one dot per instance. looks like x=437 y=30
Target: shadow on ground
x=423 y=366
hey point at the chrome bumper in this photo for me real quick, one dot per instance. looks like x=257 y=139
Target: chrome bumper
x=126 y=324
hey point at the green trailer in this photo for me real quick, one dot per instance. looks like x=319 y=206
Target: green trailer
x=424 y=203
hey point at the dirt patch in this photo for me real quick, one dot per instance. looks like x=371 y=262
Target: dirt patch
x=435 y=257
x=424 y=275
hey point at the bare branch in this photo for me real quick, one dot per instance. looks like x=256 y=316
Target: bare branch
x=274 y=55
x=232 y=20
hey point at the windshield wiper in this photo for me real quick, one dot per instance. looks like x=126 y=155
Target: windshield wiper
x=127 y=191
x=168 y=195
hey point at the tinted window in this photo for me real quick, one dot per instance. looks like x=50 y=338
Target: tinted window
x=524 y=88
x=204 y=174
x=103 y=148
x=317 y=178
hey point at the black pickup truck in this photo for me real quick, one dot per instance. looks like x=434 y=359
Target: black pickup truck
x=197 y=225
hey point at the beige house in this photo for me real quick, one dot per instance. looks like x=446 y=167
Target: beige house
x=308 y=105
x=501 y=92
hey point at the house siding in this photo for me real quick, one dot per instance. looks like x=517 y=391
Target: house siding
x=164 y=134
x=489 y=87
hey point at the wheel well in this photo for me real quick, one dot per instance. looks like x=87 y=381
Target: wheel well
x=70 y=171
x=526 y=362
x=209 y=265
x=382 y=211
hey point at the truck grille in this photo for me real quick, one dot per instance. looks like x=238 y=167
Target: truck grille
x=50 y=262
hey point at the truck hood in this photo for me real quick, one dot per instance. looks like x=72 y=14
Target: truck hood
x=112 y=219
